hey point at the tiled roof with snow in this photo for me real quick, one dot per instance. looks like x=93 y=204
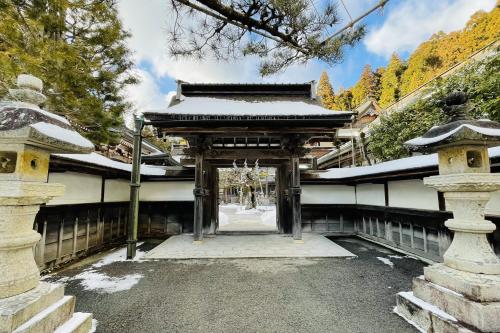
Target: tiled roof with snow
x=403 y=164
x=210 y=106
x=99 y=160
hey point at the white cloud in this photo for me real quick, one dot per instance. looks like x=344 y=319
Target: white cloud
x=414 y=21
x=145 y=96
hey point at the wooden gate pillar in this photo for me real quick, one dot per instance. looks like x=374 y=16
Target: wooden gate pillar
x=199 y=193
x=295 y=192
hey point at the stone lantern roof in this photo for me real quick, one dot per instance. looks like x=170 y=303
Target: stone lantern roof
x=23 y=121
x=461 y=130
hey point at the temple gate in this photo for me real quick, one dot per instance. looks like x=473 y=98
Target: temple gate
x=265 y=122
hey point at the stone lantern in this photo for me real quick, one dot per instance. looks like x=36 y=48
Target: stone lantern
x=464 y=291
x=28 y=135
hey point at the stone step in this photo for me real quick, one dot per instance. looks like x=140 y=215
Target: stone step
x=426 y=317
x=79 y=323
x=477 y=287
x=16 y=310
x=50 y=318
x=481 y=315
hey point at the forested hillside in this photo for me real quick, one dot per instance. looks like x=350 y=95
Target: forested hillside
x=431 y=58
x=79 y=49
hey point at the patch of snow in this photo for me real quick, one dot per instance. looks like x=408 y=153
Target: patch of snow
x=426 y=306
x=105 y=284
x=94 y=326
x=252 y=211
x=120 y=255
x=407 y=163
x=72 y=324
x=36 y=108
x=223 y=219
x=443 y=289
x=269 y=218
x=96 y=159
x=386 y=261
x=266 y=208
x=210 y=106
x=412 y=323
x=421 y=141
x=62 y=134
x=396 y=257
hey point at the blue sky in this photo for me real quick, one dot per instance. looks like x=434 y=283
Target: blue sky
x=400 y=27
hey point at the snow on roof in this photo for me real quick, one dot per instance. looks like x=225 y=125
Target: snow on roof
x=422 y=141
x=18 y=104
x=230 y=107
x=408 y=163
x=96 y=159
x=62 y=134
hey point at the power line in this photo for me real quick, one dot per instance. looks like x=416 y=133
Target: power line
x=347 y=11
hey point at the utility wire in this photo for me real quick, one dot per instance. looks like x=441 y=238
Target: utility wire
x=218 y=16
x=347 y=11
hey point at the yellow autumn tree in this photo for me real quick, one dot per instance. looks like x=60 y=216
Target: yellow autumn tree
x=367 y=86
x=390 y=81
x=325 y=92
x=443 y=51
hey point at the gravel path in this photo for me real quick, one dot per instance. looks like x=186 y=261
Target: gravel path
x=246 y=295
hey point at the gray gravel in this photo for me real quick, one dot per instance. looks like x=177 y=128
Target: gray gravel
x=254 y=295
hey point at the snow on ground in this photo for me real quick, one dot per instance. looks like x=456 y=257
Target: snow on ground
x=120 y=255
x=386 y=261
x=94 y=326
x=252 y=211
x=105 y=284
x=267 y=208
x=265 y=215
x=269 y=217
x=92 y=279
x=223 y=219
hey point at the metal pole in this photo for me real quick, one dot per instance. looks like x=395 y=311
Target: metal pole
x=135 y=184
x=353 y=151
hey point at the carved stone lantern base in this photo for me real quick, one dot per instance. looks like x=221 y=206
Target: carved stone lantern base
x=42 y=309
x=19 y=204
x=466 y=196
x=450 y=300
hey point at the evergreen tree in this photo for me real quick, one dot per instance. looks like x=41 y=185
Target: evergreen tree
x=481 y=82
x=78 y=48
x=343 y=100
x=390 y=81
x=367 y=86
x=281 y=33
x=325 y=92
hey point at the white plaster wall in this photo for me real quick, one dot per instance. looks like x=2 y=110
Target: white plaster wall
x=80 y=188
x=370 y=194
x=116 y=190
x=493 y=206
x=167 y=191
x=412 y=194
x=328 y=194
